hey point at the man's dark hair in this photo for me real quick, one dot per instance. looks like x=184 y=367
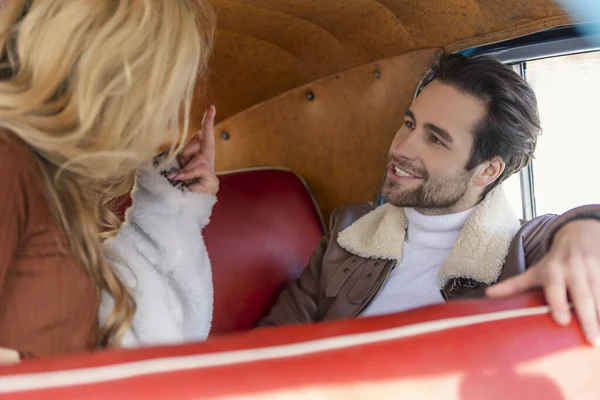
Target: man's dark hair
x=511 y=126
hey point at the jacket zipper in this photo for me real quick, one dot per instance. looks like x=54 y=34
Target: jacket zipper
x=444 y=295
x=458 y=283
x=443 y=290
x=455 y=284
x=368 y=303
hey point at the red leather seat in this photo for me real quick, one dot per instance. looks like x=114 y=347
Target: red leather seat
x=471 y=350
x=263 y=230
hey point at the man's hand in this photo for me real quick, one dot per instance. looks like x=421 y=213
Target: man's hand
x=572 y=265
x=197 y=159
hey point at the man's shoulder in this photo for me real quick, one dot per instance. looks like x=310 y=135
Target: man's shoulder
x=345 y=216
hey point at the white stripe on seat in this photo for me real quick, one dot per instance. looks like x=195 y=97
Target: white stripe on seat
x=91 y=375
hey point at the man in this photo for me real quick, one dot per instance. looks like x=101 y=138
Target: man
x=447 y=231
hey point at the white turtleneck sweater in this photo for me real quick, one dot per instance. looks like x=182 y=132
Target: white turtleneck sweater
x=413 y=283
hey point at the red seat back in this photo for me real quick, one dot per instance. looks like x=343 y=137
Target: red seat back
x=262 y=232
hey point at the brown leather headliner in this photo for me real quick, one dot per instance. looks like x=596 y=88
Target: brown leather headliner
x=267 y=47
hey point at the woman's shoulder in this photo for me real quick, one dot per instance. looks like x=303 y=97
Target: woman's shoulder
x=20 y=175
x=15 y=157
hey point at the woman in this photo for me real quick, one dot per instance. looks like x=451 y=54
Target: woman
x=88 y=90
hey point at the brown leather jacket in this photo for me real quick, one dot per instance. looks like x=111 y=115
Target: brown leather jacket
x=354 y=260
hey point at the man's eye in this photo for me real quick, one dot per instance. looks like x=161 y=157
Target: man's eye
x=435 y=140
x=409 y=124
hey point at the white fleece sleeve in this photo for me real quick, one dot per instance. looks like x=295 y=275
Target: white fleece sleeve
x=160 y=254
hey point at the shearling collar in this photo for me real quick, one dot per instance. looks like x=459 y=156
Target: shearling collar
x=479 y=252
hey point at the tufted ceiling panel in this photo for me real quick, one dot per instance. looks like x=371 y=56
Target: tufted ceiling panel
x=267 y=47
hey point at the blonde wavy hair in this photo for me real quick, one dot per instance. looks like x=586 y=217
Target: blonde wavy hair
x=92 y=88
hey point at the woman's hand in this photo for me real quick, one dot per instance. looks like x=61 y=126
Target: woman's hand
x=197 y=159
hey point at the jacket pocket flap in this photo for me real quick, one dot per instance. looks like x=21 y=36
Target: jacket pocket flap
x=366 y=282
x=341 y=276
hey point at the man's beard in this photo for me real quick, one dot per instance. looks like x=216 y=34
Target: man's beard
x=441 y=194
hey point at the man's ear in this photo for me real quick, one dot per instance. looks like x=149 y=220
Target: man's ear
x=489 y=172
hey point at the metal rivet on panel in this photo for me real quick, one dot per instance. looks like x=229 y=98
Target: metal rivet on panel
x=310 y=96
x=225 y=135
x=377 y=74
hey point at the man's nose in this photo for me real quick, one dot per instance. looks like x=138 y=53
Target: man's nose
x=406 y=146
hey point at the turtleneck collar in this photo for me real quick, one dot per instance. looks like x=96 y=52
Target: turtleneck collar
x=434 y=231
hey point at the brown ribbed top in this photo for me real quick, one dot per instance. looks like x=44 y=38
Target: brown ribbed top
x=48 y=304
